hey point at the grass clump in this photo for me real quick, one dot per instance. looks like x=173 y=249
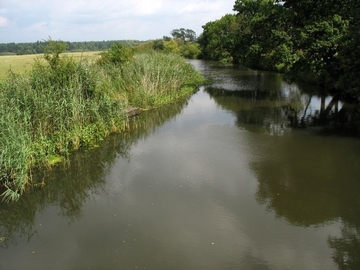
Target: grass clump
x=155 y=78
x=63 y=104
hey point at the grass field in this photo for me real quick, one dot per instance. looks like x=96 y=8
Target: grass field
x=22 y=63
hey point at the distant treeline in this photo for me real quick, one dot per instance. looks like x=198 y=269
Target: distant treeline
x=78 y=46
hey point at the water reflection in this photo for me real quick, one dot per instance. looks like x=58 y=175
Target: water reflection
x=303 y=179
x=227 y=183
x=69 y=185
x=347 y=248
x=263 y=102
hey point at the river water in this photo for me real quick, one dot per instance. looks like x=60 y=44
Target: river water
x=249 y=173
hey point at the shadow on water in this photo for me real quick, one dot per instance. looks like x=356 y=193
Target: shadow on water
x=68 y=186
x=286 y=109
x=262 y=101
x=301 y=182
x=314 y=188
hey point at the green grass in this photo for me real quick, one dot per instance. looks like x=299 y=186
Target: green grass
x=23 y=63
x=52 y=110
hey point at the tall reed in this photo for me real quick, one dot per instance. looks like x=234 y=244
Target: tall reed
x=55 y=109
x=156 y=78
x=50 y=112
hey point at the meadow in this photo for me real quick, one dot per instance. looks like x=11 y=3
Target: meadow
x=23 y=63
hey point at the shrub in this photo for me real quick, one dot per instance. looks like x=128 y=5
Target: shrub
x=117 y=54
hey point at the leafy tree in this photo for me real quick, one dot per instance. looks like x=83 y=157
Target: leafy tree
x=78 y=46
x=218 y=38
x=166 y=38
x=261 y=31
x=171 y=46
x=190 y=50
x=309 y=40
x=349 y=55
x=184 y=34
x=158 y=45
x=117 y=54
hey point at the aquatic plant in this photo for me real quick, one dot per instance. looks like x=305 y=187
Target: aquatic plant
x=62 y=105
x=156 y=78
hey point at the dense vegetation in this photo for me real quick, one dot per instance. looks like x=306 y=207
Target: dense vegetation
x=63 y=104
x=183 y=42
x=78 y=46
x=313 y=41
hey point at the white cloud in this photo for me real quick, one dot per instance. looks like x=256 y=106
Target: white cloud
x=203 y=7
x=80 y=20
x=3 y=21
x=147 y=7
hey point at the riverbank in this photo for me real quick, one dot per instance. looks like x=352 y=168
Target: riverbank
x=53 y=110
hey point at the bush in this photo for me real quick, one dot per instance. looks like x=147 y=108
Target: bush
x=190 y=50
x=117 y=54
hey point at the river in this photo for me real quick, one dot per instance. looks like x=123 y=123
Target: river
x=248 y=173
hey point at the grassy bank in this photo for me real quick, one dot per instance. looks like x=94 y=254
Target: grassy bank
x=58 y=108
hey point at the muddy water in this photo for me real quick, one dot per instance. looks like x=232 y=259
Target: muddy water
x=249 y=173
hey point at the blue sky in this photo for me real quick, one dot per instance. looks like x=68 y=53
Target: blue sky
x=93 y=20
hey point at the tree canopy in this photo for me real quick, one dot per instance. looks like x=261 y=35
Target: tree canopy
x=184 y=34
x=38 y=47
x=308 y=40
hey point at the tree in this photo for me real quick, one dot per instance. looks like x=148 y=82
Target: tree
x=349 y=54
x=218 y=38
x=117 y=54
x=52 y=52
x=186 y=35
x=171 y=46
x=190 y=50
x=158 y=45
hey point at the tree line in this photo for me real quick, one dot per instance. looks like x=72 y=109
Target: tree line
x=313 y=41
x=78 y=46
x=308 y=40
x=182 y=41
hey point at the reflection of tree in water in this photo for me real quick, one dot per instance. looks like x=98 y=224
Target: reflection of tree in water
x=256 y=110
x=309 y=185
x=347 y=248
x=69 y=185
x=301 y=182
x=278 y=110
x=334 y=117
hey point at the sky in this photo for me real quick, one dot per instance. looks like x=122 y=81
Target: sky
x=97 y=20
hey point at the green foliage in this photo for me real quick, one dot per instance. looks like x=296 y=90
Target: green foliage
x=77 y=46
x=318 y=58
x=184 y=34
x=308 y=40
x=155 y=78
x=349 y=55
x=183 y=43
x=117 y=54
x=64 y=105
x=190 y=50
x=144 y=47
x=158 y=45
x=171 y=46
x=52 y=52
x=218 y=40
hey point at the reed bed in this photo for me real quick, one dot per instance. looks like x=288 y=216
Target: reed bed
x=154 y=79
x=51 y=111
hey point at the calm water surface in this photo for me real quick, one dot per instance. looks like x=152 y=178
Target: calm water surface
x=249 y=173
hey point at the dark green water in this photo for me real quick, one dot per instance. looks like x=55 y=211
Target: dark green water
x=249 y=173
